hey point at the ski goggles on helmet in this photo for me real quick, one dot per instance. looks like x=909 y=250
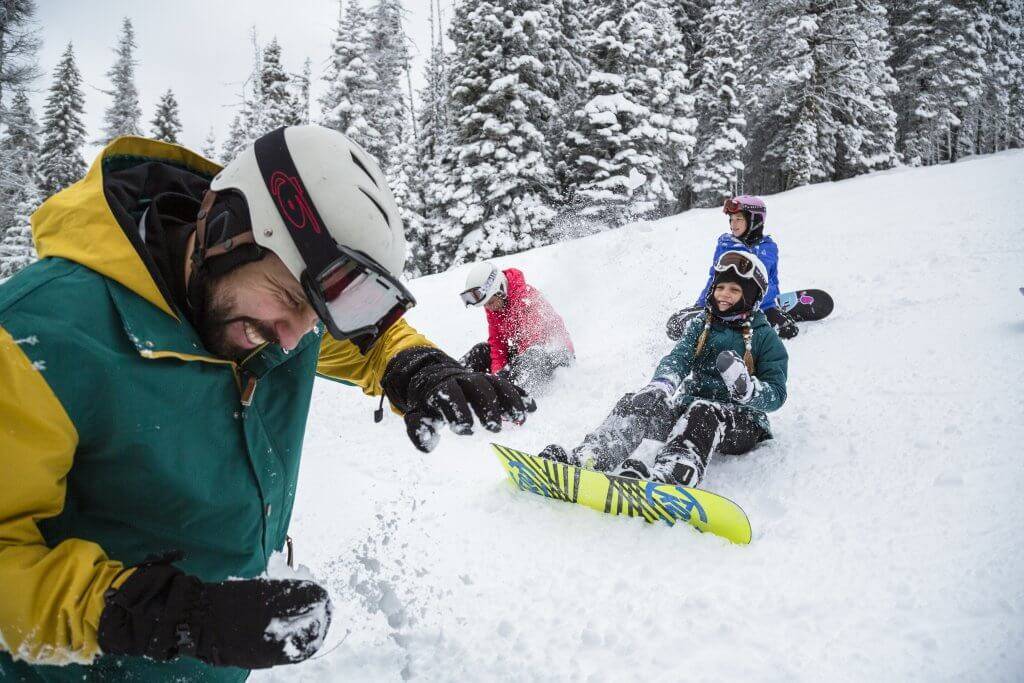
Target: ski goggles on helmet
x=473 y=296
x=743 y=266
x=354 y=296
x=733 y=206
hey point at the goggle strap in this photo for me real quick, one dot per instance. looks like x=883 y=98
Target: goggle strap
x=293 y=202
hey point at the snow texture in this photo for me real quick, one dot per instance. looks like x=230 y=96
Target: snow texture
x=885 y=512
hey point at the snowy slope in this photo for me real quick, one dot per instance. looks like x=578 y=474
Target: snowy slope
x=886 y=512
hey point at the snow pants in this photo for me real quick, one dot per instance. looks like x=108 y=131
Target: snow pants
x=690 y=434
x=531 y=369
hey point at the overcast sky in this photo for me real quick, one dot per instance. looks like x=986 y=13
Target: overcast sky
x=201 y=49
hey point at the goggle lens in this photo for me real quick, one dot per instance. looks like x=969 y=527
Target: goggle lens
x=354 y=296
x=473 y=296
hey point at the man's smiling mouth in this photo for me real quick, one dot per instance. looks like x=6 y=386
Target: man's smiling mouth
x=252 y=334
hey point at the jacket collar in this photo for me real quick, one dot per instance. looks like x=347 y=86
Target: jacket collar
x=156 y=335
x=77 y=223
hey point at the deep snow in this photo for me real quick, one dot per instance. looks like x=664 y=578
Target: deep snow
x=886 y=512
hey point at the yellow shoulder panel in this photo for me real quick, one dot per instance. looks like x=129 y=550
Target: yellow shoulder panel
x=342 y=360
x=52 y=597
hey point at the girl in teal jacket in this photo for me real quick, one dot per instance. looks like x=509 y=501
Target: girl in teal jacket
x=710 y=393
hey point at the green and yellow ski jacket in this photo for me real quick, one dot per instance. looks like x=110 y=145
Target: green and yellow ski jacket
x=122 y=437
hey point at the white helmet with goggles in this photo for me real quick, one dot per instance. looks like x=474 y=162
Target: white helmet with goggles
x=322 y=205
x=482 y=283
x=747 y=267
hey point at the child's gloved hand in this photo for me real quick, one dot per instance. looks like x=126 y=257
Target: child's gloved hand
x=677 y=322
x=734 y=373
x=783 y=323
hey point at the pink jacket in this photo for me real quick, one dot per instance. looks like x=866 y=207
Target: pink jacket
x=528 y=319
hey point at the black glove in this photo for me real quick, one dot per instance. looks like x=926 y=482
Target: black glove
x=677 y=321
x=162 y=613
x=432 y=389
x=783 y=322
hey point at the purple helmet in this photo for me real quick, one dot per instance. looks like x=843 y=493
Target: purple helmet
x=754 y=210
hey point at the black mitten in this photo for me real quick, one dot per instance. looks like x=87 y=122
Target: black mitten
x=783 y=322
x=432 y=389
x=676 y=324
x=162 y=613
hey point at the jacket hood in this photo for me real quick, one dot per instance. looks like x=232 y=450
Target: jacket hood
x=516 y=281
x=78 y=224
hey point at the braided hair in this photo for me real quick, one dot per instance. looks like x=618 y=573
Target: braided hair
x=748 y=356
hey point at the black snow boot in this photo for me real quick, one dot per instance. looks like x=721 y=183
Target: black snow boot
x=684 y=458
x=633 y=469
x=558 y=454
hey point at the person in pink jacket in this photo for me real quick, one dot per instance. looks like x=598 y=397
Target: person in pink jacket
x=527 y=339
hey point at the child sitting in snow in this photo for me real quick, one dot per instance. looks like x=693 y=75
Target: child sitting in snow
x=711 y=392
x=527 y=339
x=746 y=233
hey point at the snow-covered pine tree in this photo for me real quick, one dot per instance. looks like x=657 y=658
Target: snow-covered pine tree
x=987 y=127
x=351 y=83
x=632 y=135
x=63 y=133
x=19 y=46
x=571 y=66
x=1015 y=57
x=501 y=78
x=280 y=107
x=671 y=101
x=167 y=121
x=209 y=148
x=823 y=110
x=721 y=104
x=250 y=121
x=19 y=148
x=389 y=59
x=302 y=83
x=16 y=247
x=433 y=163
x=124 y=114
x=939 y=63
x=403 y=180
x=21 y=135
x=689 y=17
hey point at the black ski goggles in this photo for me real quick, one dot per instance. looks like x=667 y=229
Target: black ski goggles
x=743 y=266
x=354 y=296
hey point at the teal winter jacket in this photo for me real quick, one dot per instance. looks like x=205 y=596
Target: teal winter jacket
x=698 y=377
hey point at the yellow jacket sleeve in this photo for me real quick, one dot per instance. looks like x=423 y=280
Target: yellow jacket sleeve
x=51 y=597
x=342 y=360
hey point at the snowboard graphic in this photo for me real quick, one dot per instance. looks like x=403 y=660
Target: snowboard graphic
x=615 y=495
x=805 y=305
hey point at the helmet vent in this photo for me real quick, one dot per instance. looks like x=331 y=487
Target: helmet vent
x=380 y=208
x=358 y=162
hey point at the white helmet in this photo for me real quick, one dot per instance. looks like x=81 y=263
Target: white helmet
x=748 y=267
x=482 y=283
x=320 y=202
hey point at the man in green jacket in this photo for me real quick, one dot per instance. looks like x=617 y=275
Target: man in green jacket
x=710 y=393
x=156 y=370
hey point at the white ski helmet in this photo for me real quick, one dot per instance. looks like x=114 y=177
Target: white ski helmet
x=320 y=202
x=482 y=283
x=748 y=268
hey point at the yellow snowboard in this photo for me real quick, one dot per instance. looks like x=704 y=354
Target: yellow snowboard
x=703 y=510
